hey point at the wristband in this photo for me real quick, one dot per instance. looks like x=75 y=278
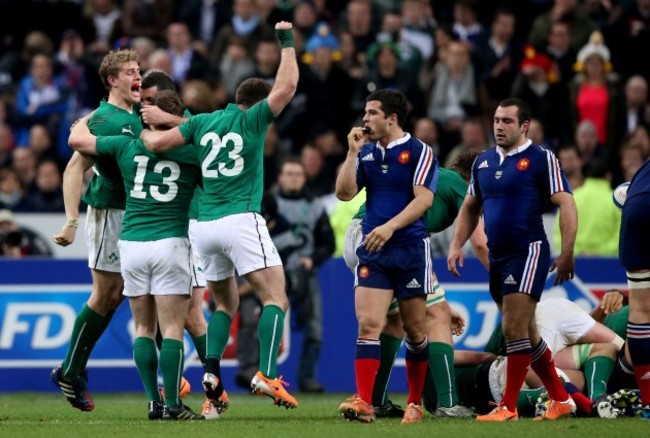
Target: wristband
x=73 y=222
x=285 y=36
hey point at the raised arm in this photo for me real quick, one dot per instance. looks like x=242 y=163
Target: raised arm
x=286 y=78
x=72 y=187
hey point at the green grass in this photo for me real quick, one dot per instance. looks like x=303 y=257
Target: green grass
x=117 y=415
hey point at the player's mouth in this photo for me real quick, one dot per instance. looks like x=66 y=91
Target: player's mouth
x=135 y=88
x=367 y=130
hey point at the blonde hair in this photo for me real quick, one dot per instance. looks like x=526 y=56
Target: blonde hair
x=113 y=61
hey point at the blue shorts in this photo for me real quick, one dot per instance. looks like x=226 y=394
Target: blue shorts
x=634 y=243
x=406 y=269
x=524 y=271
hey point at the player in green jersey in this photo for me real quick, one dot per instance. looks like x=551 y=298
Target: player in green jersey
x=231 y=232
x=105 y=196
x=155 y=251
x=450 y=194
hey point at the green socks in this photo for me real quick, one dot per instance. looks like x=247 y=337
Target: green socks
x=88 y=327
x=597 y=371
x=441 y=365
x=171 y=366
x=145 y=355
x=269 y=332
x=200 y=343
x=217 y=335
x=389 y=348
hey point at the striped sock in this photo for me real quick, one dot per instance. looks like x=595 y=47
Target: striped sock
x=542 y=364
x=366 y=365
x=518 y=361
x=638 y=340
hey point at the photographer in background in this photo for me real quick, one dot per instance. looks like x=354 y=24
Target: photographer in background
x=18 y=242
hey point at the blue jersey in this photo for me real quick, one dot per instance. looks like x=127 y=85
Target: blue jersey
x=514 y=190
x=389 y=175
x=640 y=182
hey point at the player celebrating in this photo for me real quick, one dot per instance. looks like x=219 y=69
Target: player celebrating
x=155 y=250
x=230 y=152
x=105 y=196
x=511 y=184
x=400 y=174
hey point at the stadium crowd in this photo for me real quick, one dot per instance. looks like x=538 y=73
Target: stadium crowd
x=454 y=60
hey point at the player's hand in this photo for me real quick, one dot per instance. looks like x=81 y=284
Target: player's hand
x=307 y=263
x=283 y=25
x=66 y=236
x=153 y=116
x=356 y=138
x=457 y=323
x=454 y=257
x=611 y=301
x=377 y=238
x=566 y=266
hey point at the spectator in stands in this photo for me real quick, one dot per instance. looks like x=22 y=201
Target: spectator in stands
x=496 y=56
x=632 y=110
x=586 y=139
x=48 y=194
x=418 y=26
x=305 y=18
x=572 y=164
x=410 y=55
x=104 y=19
x=559 y=49
x=160 y=59
x=198 y=97
x=323 y=75
x=537 y=84
x=146 y=18
x=629 y=36
x=319 y=182
x=353 y=62
x=204 y=18
x=40 y=142
x=473 y=137
x=186 y=62
x=599 y=220
x=454 y=96
x=631 y=159
x=426 y=130
x=580 y=24
x=594 y=91
x=537 y=134
x=24 y=163
x=358 y=23
x=13 y=195
x=40 y=99
x=245 y=23
x=236 y=64
x=144 y=47
x=6 y=144
x=466 y=25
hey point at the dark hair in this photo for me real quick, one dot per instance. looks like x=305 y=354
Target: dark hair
x=169 y=101
x=523 y=110
x=291 y=160
x=463 y=164
x=251 y=91
x=570 y=147
x=597 y=168
x=392 y=102
x=158 y=78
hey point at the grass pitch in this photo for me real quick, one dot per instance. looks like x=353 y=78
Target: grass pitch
x=116 y=415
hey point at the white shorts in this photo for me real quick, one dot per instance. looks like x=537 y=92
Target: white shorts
x=238 y=241
x=353 y=237
x=103 y=227
x=198 y=278
x=561 y=322
x=157 y=267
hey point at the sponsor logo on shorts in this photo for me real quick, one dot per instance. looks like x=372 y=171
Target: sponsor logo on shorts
x=113 y=257
x=413 y=284
x=509 y=280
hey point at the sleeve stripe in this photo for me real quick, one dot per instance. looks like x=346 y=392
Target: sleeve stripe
x=424 y=165
x=554 y=174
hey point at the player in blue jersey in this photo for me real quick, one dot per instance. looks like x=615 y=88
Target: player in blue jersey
x=400 y=175
x=634 y=254
x=512 y=183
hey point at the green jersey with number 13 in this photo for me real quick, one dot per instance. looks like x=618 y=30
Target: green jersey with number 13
x=230 y=146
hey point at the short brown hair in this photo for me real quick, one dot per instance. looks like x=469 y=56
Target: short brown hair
x=251 y=91
x=113 y=61
x=169 y=101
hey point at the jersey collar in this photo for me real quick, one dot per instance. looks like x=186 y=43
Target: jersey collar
x=518 y=150
x=397 y=142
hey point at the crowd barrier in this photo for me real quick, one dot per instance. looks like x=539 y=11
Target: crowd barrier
x=40 y=298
